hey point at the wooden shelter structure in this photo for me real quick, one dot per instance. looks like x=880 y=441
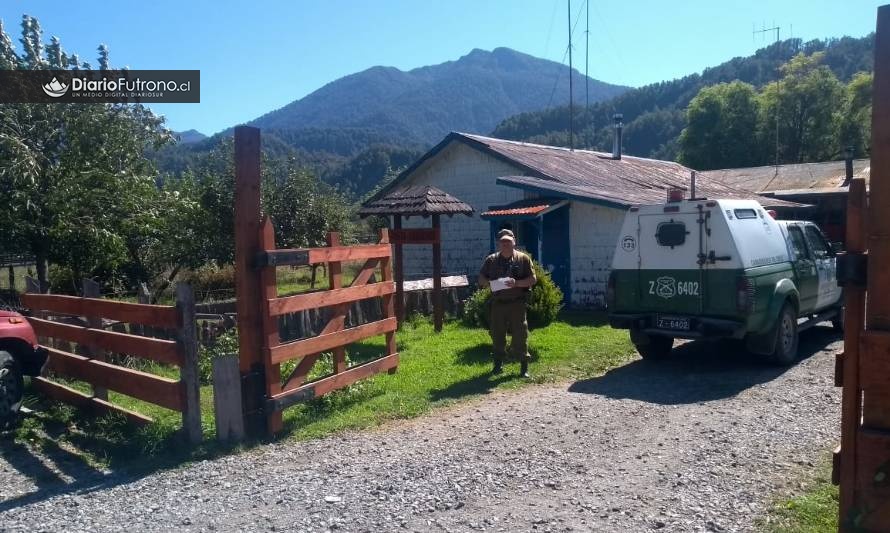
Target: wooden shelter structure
x=416 y=200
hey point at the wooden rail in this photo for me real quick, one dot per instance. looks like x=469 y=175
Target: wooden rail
x=91 y=364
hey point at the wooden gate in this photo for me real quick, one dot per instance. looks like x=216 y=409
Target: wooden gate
x=94 y=342
x=334 y=337
x=862 y=465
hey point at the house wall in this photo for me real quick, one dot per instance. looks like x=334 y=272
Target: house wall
x=593 y=234
x=469 y=175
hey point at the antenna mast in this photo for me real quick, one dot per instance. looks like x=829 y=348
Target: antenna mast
x=571 y=92
x=776 y=29
x=587 y=61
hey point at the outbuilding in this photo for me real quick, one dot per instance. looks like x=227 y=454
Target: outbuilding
x=565 y=206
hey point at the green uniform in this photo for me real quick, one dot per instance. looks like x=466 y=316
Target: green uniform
x=508 y=305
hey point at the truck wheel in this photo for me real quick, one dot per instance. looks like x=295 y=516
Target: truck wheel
x=11 y=387
x=785 y=352
x=652 y=347
x=838 y=322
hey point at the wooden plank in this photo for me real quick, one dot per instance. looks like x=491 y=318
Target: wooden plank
x=388 y=301
x=151 y=315
x=247 y=281
x=291 y=350
x=310 y=256
x=335 y=282
x=188 y=343
x=874 y=360
x=144 y=386
x=227 y=399
x=333 y=382
x=91 y=289
x=438 y=312
x=854 y=320
x=414 y=236
x=270 y=336
x=313 y=300
x=160 y=350
x=61 y=393
x=873 y=480
x=399 y=258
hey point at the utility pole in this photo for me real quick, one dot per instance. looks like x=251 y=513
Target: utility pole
x=571 y=92
x=778 y=87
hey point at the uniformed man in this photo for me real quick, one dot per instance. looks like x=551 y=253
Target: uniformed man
x=507 y=314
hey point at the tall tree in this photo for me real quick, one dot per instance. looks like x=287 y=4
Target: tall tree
x=721 y=128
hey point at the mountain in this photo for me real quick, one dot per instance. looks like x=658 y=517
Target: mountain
x=189 y=136
x=420 y=106
x=654 y=115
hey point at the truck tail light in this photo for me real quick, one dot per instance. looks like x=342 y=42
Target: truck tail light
x=610 y=291
x=744 y=295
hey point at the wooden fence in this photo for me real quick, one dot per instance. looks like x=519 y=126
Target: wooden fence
x=334 y=337
x=93 y=365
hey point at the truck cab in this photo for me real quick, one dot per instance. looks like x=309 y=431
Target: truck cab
x=699 y=268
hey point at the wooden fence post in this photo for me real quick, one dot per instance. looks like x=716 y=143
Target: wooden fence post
x=91 y=289
x=335 y=281
x=227 y=399
x=438 y=313
x=247 y=280
x=188 y=343
x=270 y=337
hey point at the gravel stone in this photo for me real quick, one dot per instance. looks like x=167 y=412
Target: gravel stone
x=705 y=441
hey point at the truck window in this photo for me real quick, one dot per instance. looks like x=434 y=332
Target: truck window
x=798 y=245
x=745 y=213
x=817 y=242
x=671 y=233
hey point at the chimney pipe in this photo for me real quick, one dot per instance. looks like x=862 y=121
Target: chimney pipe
x=848 y=167
x=616 y=145
x=692 y=186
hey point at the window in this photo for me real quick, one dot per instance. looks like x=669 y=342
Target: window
x=671 y=233
x=745 y=213
x=798 y=245
x=817 y=242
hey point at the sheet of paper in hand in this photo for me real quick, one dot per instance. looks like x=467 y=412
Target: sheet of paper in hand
x=499 y=284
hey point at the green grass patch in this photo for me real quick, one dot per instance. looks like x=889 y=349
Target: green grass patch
x=815 y=510
x=435 y=370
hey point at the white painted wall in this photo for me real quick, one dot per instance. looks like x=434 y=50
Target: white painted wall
x=593 y=233
x=469 y=175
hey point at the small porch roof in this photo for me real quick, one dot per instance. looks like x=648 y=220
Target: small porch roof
x=422 y=200
x=522 y=209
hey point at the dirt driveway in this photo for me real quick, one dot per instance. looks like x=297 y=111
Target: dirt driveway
x=703 y=442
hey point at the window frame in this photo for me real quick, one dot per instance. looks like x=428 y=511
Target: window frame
x=807 y=252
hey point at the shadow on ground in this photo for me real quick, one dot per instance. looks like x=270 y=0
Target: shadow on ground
x=698 y=372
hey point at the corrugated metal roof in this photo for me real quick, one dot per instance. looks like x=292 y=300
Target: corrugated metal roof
x=824 y=175
x=415 y=200
x=586 y=174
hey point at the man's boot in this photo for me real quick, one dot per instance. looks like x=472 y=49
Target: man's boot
x=523 y=370
x=498 y=368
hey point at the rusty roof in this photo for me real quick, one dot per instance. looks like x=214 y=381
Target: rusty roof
x=528 y=207
x=588 y=175
x=420 y=200
x=819 y=176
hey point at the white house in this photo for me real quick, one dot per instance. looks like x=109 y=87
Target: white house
x=565 y=206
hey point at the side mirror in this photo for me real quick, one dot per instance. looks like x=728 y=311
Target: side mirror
x=836 y=248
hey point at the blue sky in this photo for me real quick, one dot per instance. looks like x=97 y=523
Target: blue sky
x=260 y=55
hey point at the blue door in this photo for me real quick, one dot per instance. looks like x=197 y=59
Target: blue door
x=555 y=249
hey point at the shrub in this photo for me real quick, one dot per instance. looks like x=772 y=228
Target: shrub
x=544 y=303
x=211 y=278
x=225 y=344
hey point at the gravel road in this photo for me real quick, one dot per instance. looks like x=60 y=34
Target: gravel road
x=704 y=442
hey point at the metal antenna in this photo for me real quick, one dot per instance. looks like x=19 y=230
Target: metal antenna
x=587 y=61
x=571 y=109
x=762 y=31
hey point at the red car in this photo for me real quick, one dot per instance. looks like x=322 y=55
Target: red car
x=19 y=356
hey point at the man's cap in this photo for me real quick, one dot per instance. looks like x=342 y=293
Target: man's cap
x=506 y=234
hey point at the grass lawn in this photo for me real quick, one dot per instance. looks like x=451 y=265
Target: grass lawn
x=814 y=511
x=435 y=370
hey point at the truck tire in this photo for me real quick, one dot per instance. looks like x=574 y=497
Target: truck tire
x=652 y=347
x=785 y=351
x=11 y=388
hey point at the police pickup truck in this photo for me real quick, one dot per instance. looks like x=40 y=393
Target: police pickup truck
x=696 y=269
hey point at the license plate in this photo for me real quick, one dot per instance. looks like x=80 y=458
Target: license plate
x=672 y=322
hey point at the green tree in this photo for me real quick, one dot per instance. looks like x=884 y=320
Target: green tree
x=855 y=120
x=721 y=128
x=805 y=100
